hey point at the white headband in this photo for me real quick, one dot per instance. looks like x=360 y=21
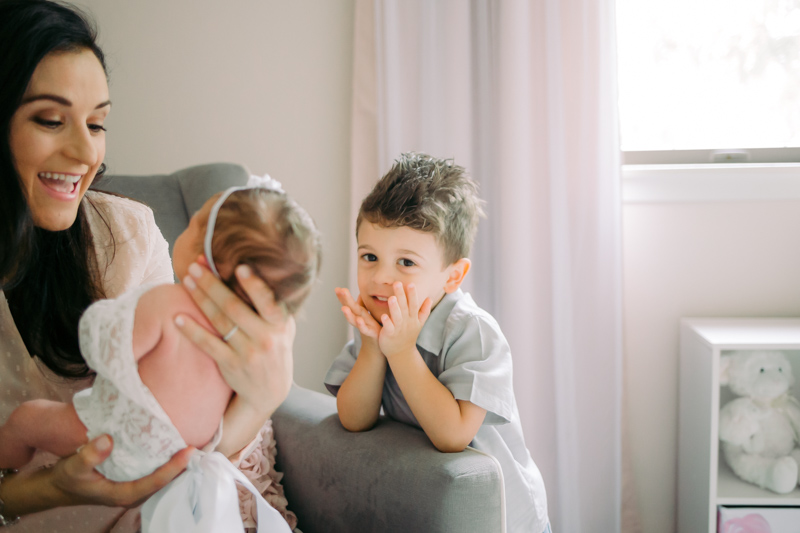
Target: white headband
x=255 y=182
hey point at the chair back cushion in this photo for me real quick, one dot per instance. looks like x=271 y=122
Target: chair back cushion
x=175 y=197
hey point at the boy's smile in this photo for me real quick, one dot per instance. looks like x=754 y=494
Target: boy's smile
x=389 y=255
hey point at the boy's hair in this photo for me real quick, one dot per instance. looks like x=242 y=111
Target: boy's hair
x=427 y=194
x=271 y=233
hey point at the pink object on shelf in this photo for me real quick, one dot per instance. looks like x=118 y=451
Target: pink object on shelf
x=752 y=523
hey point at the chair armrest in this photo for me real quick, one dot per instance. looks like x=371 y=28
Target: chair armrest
x=389 y=479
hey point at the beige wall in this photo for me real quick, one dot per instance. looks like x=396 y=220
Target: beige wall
x=692 y=259
x=265 y=83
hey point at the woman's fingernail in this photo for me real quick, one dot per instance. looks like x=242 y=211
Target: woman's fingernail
x=179 y=321
x=103 y=443
x=244 y=271
x=195 y=270
x=189 y=282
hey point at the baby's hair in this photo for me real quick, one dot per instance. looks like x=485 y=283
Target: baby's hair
x=271 y=233
x=427 y=194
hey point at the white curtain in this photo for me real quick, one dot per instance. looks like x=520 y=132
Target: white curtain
x=522 y=94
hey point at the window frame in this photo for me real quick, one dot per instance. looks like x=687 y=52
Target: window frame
x=715 y=156
x=710 y=182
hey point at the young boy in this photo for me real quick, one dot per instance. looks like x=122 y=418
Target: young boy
x=423 y=350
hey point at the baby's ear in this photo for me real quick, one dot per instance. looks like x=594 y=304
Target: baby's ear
x=458 y=272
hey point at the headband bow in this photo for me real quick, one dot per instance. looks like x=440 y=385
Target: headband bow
x=254 y=182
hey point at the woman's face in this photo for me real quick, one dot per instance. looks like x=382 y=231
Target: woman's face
x=57 y=137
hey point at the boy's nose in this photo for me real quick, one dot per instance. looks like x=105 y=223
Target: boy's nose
x=384 y=276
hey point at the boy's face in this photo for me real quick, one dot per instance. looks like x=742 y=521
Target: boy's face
x=388 y=255
x=189 y=244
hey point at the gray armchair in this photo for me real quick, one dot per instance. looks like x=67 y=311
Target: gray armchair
x=390 y=479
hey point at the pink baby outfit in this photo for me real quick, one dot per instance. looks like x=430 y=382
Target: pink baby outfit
x=141 y=256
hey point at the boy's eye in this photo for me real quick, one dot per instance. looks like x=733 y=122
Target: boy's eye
x=407 y=262
x=370 y=257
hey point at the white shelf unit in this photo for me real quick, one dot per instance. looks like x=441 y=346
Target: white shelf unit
x=704 y=480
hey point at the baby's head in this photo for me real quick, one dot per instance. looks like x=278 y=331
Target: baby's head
x=261 y=228
x=416 y=226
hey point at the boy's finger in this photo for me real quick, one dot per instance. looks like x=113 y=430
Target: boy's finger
x=361 y=305
x=345 y=298
x=413 y=299
x=364 y=329
x=369 y=321
x=388 y=325
x=425 y=310
x=349 y=316
x=395 y=313
x=400 y=294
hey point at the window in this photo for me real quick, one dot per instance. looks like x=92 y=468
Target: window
x=704 y=81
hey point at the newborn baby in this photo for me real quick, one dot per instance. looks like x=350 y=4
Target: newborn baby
x=155 y=391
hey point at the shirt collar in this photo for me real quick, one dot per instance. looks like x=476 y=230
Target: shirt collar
x=431 y=337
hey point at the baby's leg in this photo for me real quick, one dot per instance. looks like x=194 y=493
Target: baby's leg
x=40 y=424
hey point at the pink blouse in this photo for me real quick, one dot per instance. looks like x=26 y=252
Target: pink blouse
x=138 y=254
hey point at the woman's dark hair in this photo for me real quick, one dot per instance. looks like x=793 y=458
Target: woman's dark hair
x=49 y=278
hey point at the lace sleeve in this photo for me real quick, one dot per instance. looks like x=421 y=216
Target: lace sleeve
x=119 y=403
x=131 y=251
x=159 y=264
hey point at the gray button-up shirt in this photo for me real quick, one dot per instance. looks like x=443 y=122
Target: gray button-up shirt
x=463 y=347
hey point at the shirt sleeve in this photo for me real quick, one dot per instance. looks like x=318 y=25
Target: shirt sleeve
x=342 y=365
x=478 y=370
x=159 y=263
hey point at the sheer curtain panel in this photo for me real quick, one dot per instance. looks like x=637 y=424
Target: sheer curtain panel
x=522 y=94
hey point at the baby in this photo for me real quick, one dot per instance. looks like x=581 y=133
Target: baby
x=156 y=392
x=423 y=350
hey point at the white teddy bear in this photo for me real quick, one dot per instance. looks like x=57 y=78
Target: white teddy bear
x=760 y=431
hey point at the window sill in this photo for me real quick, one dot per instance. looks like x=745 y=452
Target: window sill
x=728 y=182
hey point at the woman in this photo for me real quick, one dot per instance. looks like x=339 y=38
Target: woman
x=62 y=248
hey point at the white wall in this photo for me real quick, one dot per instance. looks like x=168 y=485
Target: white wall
x=265 y=83
x=692 y=259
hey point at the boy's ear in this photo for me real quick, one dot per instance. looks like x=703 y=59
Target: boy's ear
x=458 y=271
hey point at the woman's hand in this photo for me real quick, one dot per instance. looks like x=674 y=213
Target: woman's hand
x=74 y=481
x=256 y=360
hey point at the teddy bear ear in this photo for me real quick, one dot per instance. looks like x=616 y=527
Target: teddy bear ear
x=725 y=369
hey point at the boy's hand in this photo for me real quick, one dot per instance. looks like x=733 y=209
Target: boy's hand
x=402 y=325
x=357 y=316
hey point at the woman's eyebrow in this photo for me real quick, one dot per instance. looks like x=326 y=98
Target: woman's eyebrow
x=58 y=99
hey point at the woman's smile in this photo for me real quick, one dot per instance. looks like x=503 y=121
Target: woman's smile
x=64 y=185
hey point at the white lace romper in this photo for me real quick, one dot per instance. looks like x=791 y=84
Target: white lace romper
x=119 y=403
